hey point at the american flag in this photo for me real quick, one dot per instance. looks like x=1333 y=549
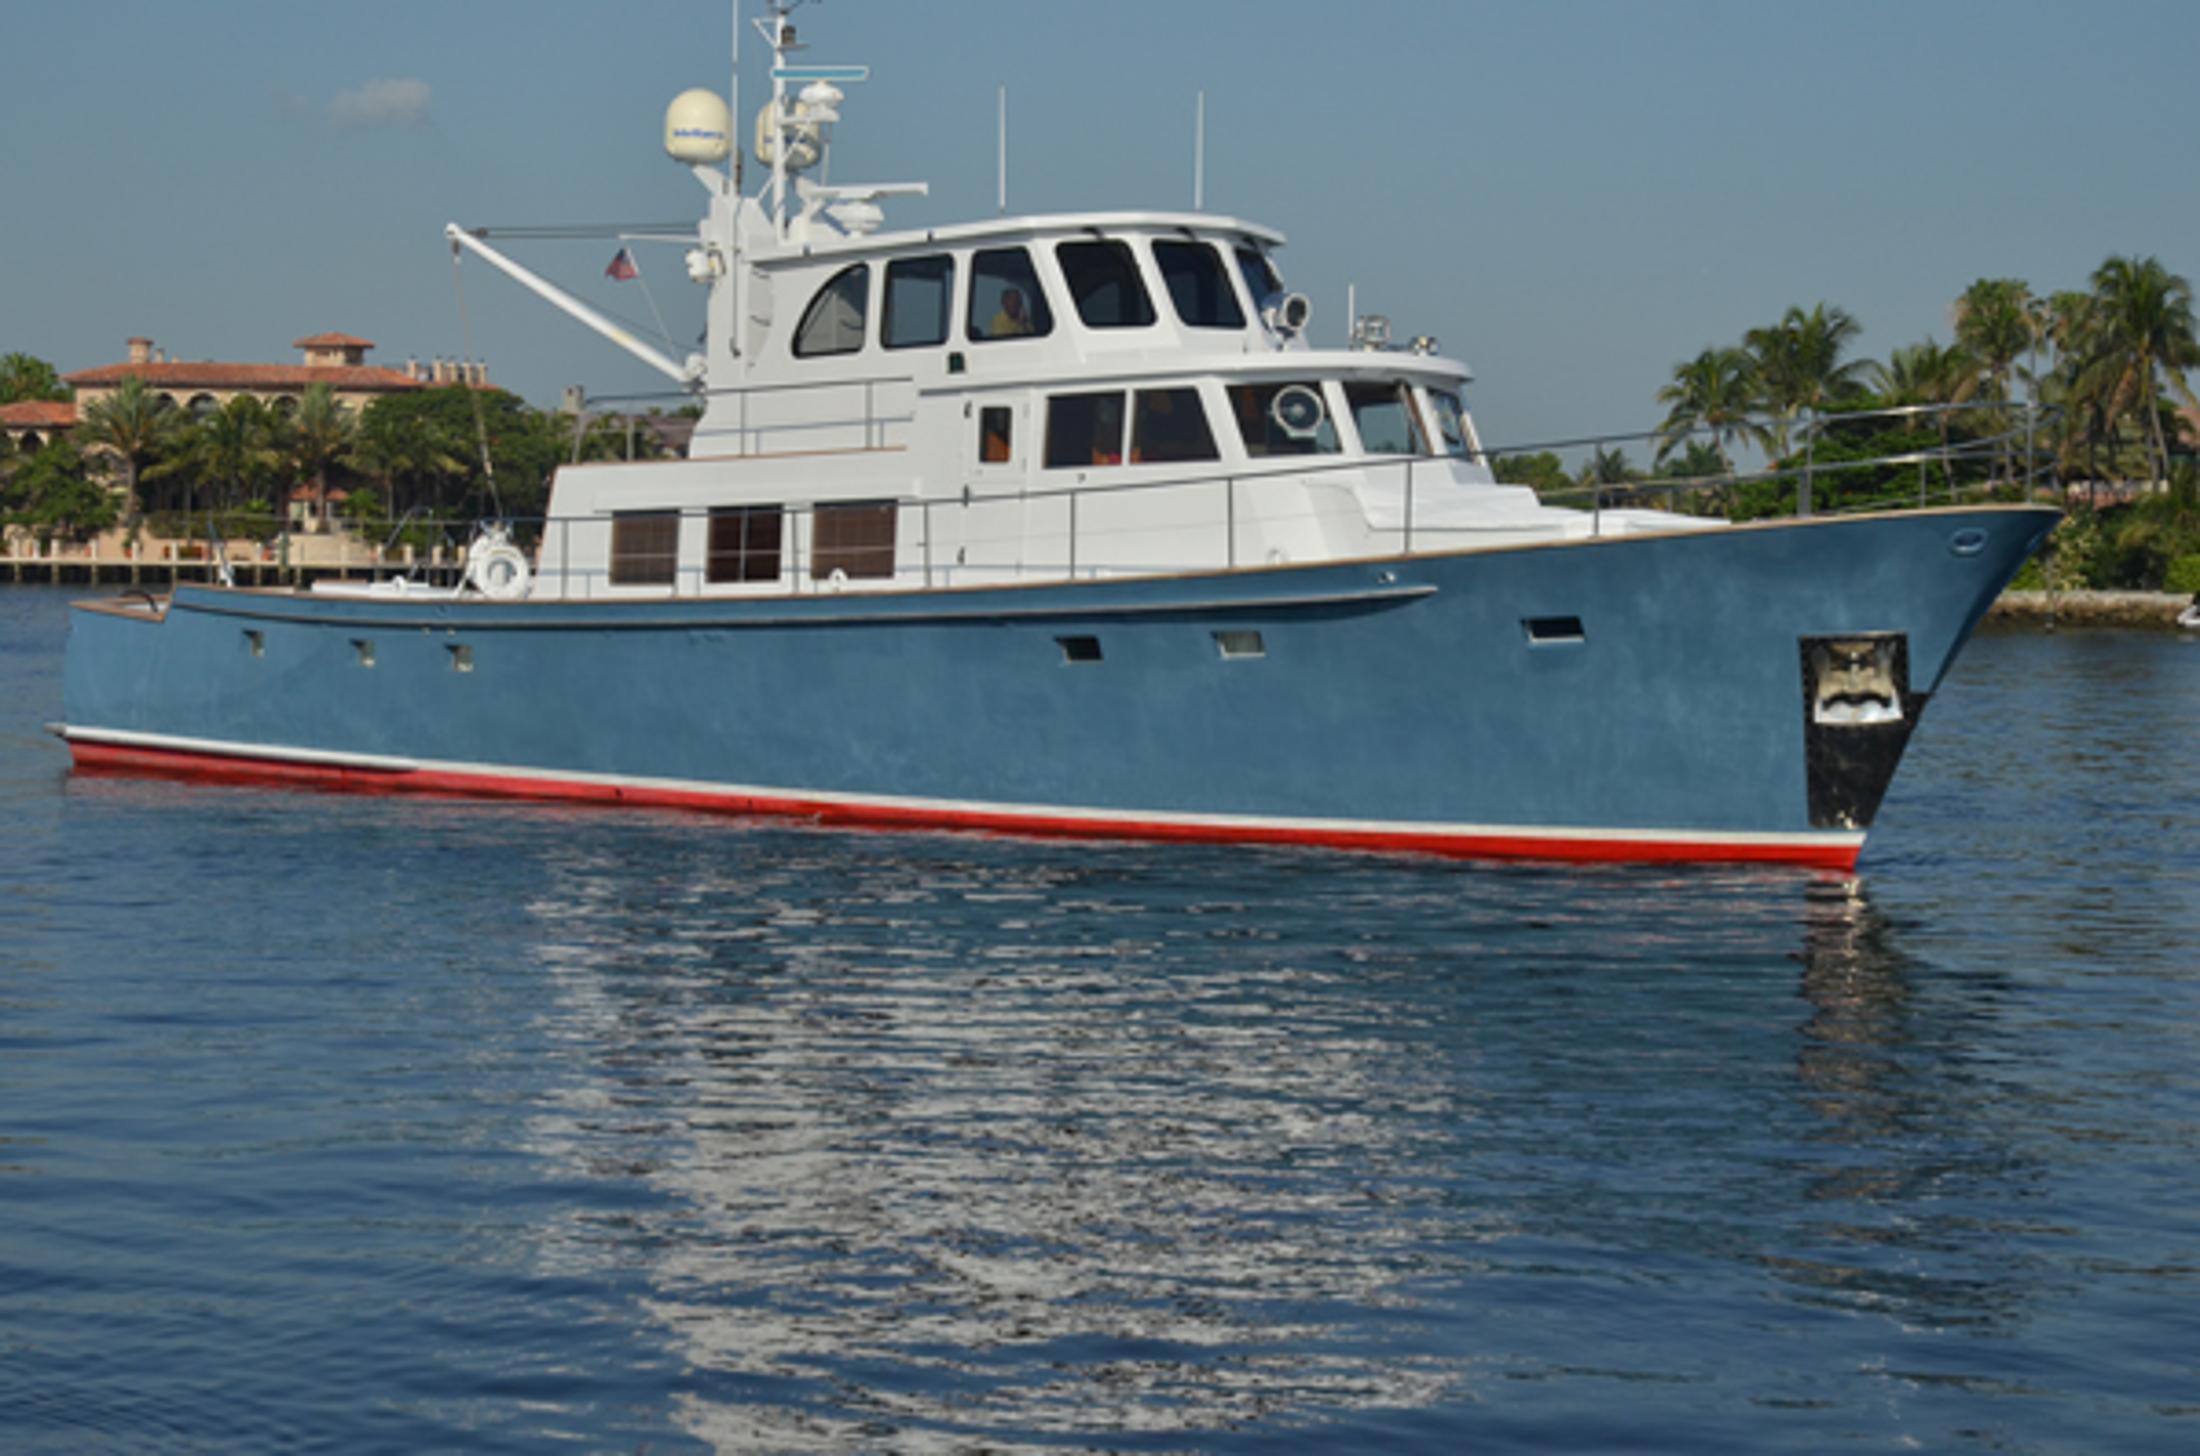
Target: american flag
x=622 y=267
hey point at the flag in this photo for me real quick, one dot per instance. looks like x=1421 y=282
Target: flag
x=622 y=267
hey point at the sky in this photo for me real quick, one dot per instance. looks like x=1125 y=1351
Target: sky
x=1571 y=195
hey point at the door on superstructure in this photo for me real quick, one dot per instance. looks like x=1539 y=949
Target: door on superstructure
x=995 y=468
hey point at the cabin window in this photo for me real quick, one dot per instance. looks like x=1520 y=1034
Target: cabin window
x=1451 y=423
x=1298 y=426
x=833 y=323
x=1103 y=279
x=1198 y=285
x=996 y=435
x=1259 y=274
x=1084 y=429
x=744 y=543
x=1169 y=426
x=855 y=538
x=1006 y=301
x=1384 y=416
x=645 y=548
x=918 y=292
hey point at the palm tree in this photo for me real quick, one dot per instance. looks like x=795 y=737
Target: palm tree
x=1714 y=391
x=234 y=447
x=138 y=427
x=1799 y=365
x=1994 y=321
x=321 y=434
x=2142 y=330
x=1928 y=374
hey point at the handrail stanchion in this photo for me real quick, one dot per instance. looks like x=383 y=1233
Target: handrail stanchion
x=1229 y=519
x=1408 y=547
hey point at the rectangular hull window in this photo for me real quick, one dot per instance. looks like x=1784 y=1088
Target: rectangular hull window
x=1241 y=644
x=645 y=548
x=744 y=543
x=1553 y=631
x=1079 y=649
x=855 y=538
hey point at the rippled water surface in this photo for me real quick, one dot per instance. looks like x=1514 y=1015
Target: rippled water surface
x=369 y=1124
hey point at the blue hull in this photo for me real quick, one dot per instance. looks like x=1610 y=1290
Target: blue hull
x=1631 y=697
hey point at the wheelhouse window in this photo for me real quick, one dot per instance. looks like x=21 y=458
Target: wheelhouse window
x=744 y=543
x=1288 y=418
x=1103 y=279
x=833 y=323
x=1006 y=301
x=1451 y=424
x=918 y=293
x=1384 y=416
x=645 y=548
x=1084 y=429
x=1169 y=426
x=996 y=435
x=1198 y=285
x=1261 y=279
x=855 y=538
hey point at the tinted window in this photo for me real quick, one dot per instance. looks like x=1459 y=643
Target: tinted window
x=833 y=323
x=1263 y=434
x=645 y=547
x=1198 y=285
x=917 y=294
x=1103 y=280
x=744 y=543
x=856 y=537
x=1384 y=415
x=996 y=435
x=1006 y=301
x=1084 y=429
x=1260 y=275
x=1169 y=425
x=1451 y=423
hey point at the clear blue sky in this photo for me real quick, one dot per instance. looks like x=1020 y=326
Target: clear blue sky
x=1572 y=195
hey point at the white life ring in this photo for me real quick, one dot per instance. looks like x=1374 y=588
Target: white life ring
x=498 y=571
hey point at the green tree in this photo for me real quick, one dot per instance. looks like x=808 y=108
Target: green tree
x=1799 y=366
x=1715 y=392
x=2141 y=334
x=425 y=447
x=54 y=494
x=1994 y=324
x=1543 y=471
x=23 y=377
x=320 y=435
x=138 y=427
x=234 y=450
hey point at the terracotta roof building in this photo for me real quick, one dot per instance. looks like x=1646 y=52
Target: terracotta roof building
x=33 y=422
x=337 y=360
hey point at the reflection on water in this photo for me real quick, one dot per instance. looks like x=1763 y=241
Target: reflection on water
x=965 y=1140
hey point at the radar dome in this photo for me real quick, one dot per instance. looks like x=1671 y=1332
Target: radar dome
x=698 y=128
x=804 y=139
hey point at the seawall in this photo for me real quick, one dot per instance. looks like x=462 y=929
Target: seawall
x=2088 y=608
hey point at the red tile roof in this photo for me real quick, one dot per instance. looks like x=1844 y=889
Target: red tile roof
x=332 y=341
x=248 y=376
x=38 y=414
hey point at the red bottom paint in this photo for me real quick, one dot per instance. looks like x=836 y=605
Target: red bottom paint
x=95 y=759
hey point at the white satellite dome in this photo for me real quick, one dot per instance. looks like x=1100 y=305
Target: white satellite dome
x=804 y=141
x=698 y=128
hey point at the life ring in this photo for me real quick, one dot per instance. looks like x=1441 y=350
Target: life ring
x=498 y=571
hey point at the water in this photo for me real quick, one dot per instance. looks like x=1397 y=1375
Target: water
x=366 y=1125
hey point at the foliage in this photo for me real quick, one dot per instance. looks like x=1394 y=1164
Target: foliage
x=137 y=427
x=1798 y=366
x=425 y=450
x=2183 y=575
x=23 y=377
x=54 y=494
x=1542 y=470
x=1715 y=392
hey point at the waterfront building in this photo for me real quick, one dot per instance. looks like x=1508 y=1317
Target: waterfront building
x=335 y=359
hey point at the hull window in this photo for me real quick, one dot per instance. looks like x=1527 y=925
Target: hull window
x=1240 y=643
x=1006 y=301
x=833 y=323
x=854 y=538
x=1198 y=285
x=744 y=543
x=1084 y=430
x=1079 y=649
x=1169 y=427
x=918 y=291
x=645 y=547
x=1103 y=279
